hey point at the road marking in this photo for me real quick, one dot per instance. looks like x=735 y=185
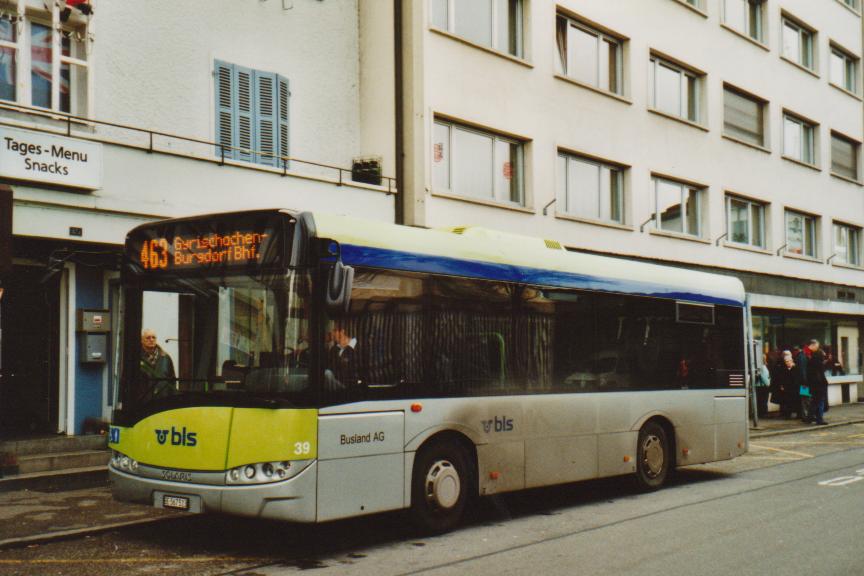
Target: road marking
x=782 y=451
x=841 y=481
x=856 y=436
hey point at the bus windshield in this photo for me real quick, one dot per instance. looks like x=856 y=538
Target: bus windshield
x=218 y=339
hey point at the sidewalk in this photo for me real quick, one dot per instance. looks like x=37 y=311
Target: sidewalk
x=773 y=425
x=33 y=516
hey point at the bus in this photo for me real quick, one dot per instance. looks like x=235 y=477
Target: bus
x=311 y=367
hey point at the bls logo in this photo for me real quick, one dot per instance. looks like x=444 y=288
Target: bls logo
x=502 y=424
x=178 y=437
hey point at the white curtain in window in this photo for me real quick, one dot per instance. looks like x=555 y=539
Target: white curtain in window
x=472 y=164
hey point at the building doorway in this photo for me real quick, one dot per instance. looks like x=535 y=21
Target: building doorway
x=29 y=352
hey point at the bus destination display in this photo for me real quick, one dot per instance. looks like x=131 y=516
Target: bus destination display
x=239 y=247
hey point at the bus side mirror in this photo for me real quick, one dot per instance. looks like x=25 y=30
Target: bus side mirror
x=338 y=290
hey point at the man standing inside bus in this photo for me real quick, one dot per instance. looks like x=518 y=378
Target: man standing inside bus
x=156 y=364
x=343 y=357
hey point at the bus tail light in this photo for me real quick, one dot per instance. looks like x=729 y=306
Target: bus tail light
x=416 y=407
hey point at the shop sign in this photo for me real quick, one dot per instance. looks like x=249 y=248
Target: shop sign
x=59 y=160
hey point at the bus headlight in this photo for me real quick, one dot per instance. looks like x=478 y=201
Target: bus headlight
x=264 y=472
x=122 y=462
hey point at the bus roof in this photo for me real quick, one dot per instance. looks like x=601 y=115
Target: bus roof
x=493 y=255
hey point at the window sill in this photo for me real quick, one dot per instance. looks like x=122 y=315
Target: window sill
x=802 y=257
x=847 y=266
x=847 y=7
x=487 y=49
x=678 y=236
x=748 y=144
x=594 y=222
x=612 y=95
x=801 y=163
x=692 y=8
x=748 y=248
x=847 y=179
x=740 y=34
x=482 y=202
x=678 y=119
x=845 y=91
x=800 y=66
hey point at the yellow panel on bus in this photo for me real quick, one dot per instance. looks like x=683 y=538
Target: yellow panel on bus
x=265 y=435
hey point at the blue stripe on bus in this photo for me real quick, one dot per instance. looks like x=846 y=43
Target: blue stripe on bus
x=414 y=262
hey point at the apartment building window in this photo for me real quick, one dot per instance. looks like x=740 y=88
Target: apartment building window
x=674 y=89
x=798 y=43
x=851 y=3
x=844 y=69
x=745 y=16
x=678 y=207
x=745 y=221
x=800 y=234
x=477 y=164
x=744 y=116
x=847 y=244
x=496 y=24
x=799 y=139
x=29 y=50
x=589 y=55
x=844 y=156
x=251 y=114
x=590 y=189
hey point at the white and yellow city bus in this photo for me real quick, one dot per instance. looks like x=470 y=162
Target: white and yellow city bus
x=311 y=367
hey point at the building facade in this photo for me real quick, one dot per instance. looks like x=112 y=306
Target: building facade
x=722 y=135
x=114 y=114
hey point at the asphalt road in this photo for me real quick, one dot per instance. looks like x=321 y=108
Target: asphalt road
x=793 y=505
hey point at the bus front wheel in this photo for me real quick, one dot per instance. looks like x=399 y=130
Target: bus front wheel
x=653 y=457
x=439 y=487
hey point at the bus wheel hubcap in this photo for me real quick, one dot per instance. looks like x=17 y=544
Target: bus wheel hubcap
x=442 y=484
x=652 y=450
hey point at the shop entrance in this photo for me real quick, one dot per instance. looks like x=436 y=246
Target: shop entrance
x=29 y=373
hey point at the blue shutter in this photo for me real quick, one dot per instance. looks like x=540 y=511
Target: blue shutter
x=243 y=112
x=284 y=94
x=225 y=133
x=265 y=119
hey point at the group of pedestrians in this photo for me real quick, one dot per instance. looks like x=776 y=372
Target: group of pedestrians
x=796 y=381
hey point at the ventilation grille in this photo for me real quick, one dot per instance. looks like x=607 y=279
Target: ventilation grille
x=458 y=230
x=736 y=379
x=553 y=245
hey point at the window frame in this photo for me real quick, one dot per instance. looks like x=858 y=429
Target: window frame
x=850 y=68
x=496 y=137
x=808 y=38
x=686 y=75
x=760 y=28
x=751 y=204
x=764 y=118
x=518 y=26
x=808 y=134
x=563 y=63
x=853 y=243
x=856 y=153
x=616 y=171
x=684 y=188
x=808 y=233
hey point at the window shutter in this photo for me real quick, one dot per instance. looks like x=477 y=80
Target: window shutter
x=265 y=119
x=245 y=133
x=843 y=158
x=742 y=117
x=224 y=109
x=284 y=94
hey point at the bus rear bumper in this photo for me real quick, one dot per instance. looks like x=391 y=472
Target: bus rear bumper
x=291 y=500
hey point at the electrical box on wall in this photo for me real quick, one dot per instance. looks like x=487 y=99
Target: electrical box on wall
x=94 y=320
x=93 y=328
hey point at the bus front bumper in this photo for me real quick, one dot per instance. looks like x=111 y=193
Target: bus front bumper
x=291 y=500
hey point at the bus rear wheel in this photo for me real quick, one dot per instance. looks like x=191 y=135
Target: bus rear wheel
x=440 y=487
x=653 y=457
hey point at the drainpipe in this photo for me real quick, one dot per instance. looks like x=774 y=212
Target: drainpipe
x=399 y=198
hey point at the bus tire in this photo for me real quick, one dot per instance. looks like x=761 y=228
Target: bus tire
x=440 y=487
x=653 y=457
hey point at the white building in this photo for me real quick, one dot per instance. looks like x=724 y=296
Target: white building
x=715 y=134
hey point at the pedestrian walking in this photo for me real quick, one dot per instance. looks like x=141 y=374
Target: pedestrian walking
x=817 y=382
x=763 y=385
x=789 y=382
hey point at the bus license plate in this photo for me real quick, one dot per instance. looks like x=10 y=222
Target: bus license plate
x=175 y=502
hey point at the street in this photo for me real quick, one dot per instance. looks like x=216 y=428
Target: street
x=790 y=506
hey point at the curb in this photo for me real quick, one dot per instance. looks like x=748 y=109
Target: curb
x=768 y=433
x=57 y=480
x=64 y=534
